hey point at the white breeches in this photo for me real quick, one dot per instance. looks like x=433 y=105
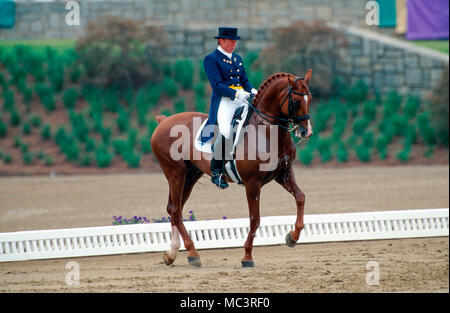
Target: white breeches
x=225 y=114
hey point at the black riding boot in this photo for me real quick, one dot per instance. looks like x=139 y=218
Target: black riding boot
x=218 y=163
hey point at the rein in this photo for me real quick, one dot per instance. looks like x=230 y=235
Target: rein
x=292 y=121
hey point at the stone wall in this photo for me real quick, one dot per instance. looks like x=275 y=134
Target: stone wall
x=386 y=63
x=383 y=62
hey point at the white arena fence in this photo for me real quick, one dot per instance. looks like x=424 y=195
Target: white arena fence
x=138 y=238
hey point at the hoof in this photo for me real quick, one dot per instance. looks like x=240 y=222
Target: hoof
x=289 y=241
x=168 y=259
x=248 y=263
x=194 y=261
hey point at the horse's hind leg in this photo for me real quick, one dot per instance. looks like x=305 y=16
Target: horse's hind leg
x=171 y=255
x=177 y=199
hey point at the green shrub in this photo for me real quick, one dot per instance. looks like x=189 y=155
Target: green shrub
x=152 y=124
x=370 y=110
x=79 y=126
x=8 y=98
x=119 y=146
x=122 y=121
x=200 y=105
x=184 y=73
x=111 y=100
x=17 y=141
x=75 y=74
x=363 y=153
x=199 y=89
x=27 y=96
x=90 y=144
x=153 y=94
x=46 y=132
x=70 y=148
x=14 y=118
x=323 y=145
x=201 y=72
x=381 y=142
x=7 y=158
x=170 y=87
x=367 y=139
x=56 y=74
x=106 y=135
x=49 y=103
x=306 y=155
x=70 y=98
x=383 y=154
x=3 y=129
x=60 y=135
x=102 y=156
x=132 y=159
x=132 y=137
x=321 y=118
x=27 y=158
x=341 y=153
x=404 y=155
x=412 y=106
x=392 y=104
x=49 y=160
x=86 y=160
x=146 y=147
x=256 y=78
x=359 y=125
x=358 y=93
x=427 y=131
x=35 y=120
x=26 y=128
x=179 y=105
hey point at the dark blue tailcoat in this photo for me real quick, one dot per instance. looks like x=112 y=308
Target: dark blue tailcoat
x=222 y=73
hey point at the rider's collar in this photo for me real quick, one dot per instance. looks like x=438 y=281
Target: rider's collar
x=229 y=55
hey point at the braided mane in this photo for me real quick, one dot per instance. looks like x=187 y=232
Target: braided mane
x=267 y=83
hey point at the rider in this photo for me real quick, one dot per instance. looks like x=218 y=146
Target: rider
x=230 y=91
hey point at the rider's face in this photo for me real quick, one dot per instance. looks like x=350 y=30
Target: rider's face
x=227 y=44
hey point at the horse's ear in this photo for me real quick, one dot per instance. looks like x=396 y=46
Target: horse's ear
x=308 y=76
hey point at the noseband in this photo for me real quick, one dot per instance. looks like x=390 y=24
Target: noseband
x=292 y=121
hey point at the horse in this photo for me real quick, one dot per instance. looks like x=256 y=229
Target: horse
x=283 y=101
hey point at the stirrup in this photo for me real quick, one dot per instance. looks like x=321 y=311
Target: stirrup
x=219 y=181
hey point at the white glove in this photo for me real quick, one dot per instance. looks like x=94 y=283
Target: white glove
x=254 y=91
x=241 y=94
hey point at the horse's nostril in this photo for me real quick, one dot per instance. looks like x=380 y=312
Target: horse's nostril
x=303 y=133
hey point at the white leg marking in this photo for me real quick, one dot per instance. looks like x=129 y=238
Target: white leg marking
x=175 y=243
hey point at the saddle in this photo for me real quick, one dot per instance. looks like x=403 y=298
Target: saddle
x=239 y=123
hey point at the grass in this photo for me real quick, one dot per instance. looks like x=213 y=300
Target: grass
x=438 y=45
x=61 y=45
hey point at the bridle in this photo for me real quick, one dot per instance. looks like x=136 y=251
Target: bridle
x=292 y=122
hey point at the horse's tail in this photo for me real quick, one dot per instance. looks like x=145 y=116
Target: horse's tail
x=160 y=118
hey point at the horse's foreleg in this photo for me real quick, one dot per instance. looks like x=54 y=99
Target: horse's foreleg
x=288 y=182
x=253 y=193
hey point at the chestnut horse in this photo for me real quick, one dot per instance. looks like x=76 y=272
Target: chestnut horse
x=282 y=102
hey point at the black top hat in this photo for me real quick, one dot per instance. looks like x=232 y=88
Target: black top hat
x=228 y=33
